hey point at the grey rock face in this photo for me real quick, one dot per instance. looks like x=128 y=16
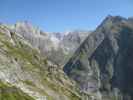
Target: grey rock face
x=104 y=61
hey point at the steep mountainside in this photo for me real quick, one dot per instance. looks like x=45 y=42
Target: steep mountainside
x=103 y=64
x=24 y=67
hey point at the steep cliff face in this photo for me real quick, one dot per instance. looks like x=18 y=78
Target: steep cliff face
x=103 y=65
x=24 y=67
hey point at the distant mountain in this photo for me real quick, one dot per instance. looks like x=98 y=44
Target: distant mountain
x=72 y=40
x=103 y=64
x=57 y=47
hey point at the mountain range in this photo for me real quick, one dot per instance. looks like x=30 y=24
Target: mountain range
x=56 y=46
x=74 y=65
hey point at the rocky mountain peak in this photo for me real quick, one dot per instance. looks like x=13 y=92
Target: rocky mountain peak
x=103 y=59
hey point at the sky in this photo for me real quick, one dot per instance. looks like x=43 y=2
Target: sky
x=63 y=15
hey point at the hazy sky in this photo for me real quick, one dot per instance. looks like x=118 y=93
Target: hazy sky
x=63 y=15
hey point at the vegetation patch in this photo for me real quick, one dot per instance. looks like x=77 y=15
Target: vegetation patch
x=8 y=92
